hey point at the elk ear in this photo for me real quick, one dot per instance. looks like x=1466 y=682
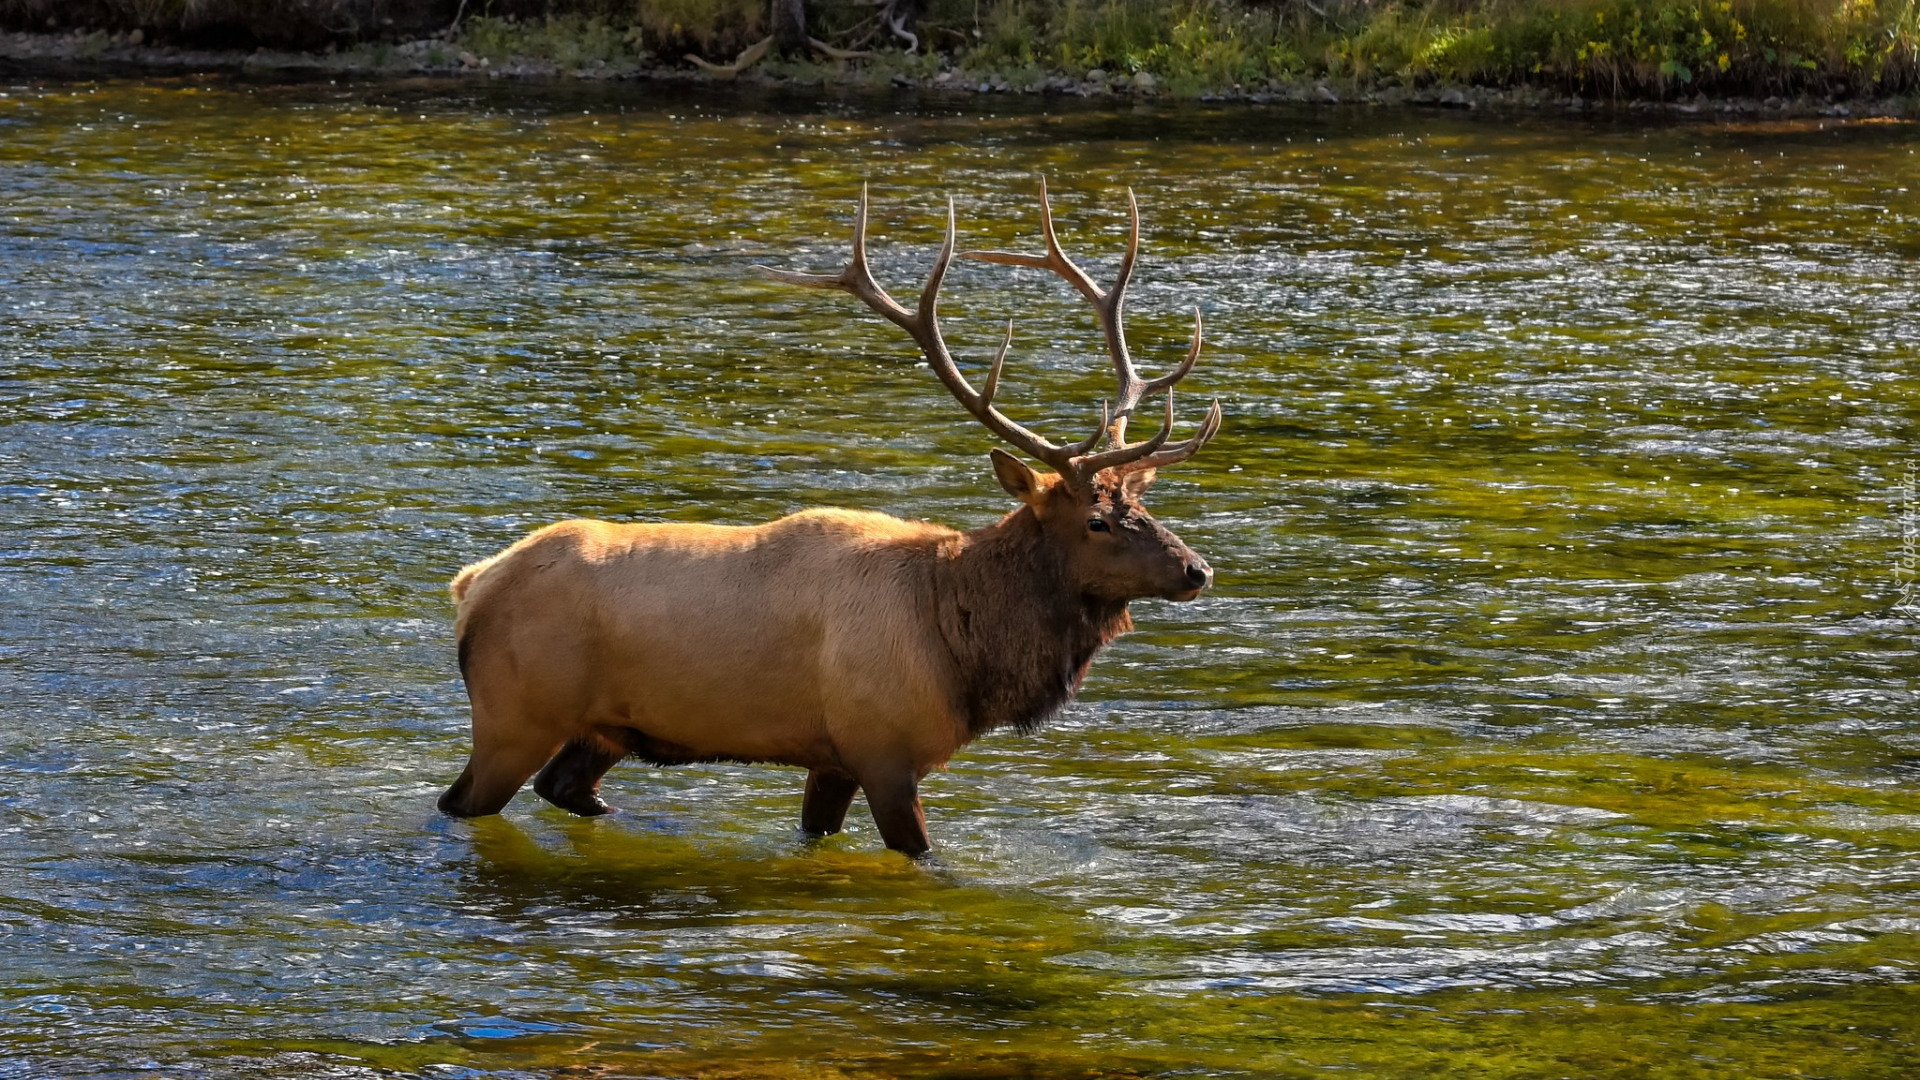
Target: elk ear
x=1020 y=481
x=1135 y=484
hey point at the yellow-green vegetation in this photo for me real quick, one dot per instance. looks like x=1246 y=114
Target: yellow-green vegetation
x=1621 y=47
x=1612 y=47
x=1607 y=48
x=569 y=42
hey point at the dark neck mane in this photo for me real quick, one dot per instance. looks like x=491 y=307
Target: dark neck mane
x=1020 y=639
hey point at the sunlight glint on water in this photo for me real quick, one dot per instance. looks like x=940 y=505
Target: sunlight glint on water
x=1553 y=670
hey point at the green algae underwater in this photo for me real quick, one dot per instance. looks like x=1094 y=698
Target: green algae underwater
x=1552 y=714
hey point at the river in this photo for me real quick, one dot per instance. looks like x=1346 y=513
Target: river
x=1553 y=712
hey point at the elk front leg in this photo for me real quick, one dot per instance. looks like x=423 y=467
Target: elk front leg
x=571 y=781
x=823 y=810
x=895 y=802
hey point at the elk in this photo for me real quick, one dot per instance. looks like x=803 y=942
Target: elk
x=858 y=646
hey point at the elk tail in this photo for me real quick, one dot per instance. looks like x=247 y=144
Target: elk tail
x=463 y=625
x=464 y=580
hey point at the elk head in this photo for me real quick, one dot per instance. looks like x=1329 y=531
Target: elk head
x=1110 y=548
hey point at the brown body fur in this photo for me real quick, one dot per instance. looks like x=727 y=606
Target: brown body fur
x=861 y=647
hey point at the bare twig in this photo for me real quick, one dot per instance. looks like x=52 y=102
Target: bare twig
x=897 y=22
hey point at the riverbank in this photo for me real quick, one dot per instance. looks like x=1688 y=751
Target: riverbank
x=1819 y=51
x=493 y=57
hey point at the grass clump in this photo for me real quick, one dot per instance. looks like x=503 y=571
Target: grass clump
x=567 y=41
x=1619 y=48
x=709 y=27
x=1667 y=47
x=1622 y=48
x=1198 y=44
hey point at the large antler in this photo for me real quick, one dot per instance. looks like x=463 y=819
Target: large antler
x=1077 y=462
x=1109 y=306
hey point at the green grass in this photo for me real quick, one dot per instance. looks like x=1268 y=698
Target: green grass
x=1664 y=47
x=1608 y=48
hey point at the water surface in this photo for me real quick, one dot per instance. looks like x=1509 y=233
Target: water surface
x=1552 y=714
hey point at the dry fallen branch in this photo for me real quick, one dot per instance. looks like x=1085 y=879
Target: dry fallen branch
x=752 y=55
x=748 y=57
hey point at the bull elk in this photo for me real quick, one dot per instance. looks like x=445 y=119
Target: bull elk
x=860 y=647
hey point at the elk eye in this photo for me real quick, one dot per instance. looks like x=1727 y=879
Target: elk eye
x=1096 y=525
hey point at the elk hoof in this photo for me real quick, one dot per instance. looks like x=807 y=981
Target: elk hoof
x=583 y=803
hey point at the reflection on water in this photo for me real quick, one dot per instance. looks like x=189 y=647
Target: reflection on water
x=1552 y=672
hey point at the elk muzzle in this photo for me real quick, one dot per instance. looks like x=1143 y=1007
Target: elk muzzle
x=1199 y=574
x=1194 y=575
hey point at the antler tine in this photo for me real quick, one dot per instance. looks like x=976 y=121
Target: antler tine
x=1181 y=451
x=924 y=327
x=1154 y=386
x=1086 y=445
x=1092 y=465
x=1109 y=306
x=1055 y=259
x=930 y=292
x=993 y=373
x=857 y=276
x=1120 y=280
x=1149 y=454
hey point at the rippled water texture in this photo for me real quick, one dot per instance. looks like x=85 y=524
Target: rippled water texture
x=1552 y=715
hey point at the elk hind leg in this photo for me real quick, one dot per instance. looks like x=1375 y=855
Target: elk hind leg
x=494 y=773
x=823 y=810
x=571 y=781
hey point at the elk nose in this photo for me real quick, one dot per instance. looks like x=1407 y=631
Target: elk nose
x=1199 y=573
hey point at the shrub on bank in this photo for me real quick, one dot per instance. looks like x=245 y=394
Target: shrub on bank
x=307 y=24
x=1616 y=48
x=1666 y=47
x=1187 y=46
x=1621 y=48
